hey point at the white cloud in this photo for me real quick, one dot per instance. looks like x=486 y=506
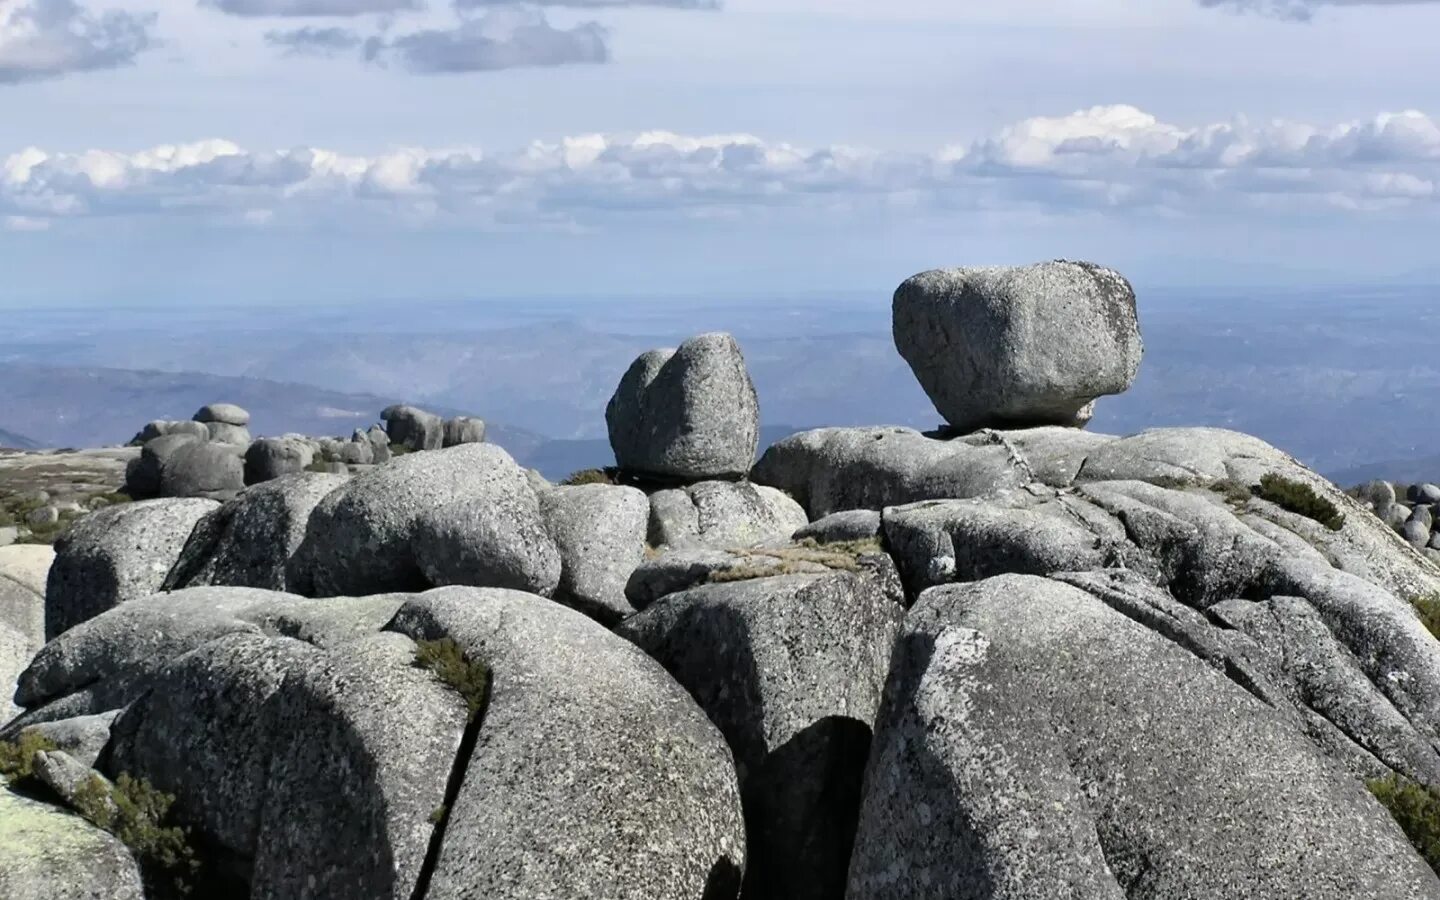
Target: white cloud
x=337 y=8
x=507 y=38
x=311 y=41
x=1300 y=10
x=42 y=39
x=1117 y=160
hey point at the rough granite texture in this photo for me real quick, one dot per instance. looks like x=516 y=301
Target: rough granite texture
x=463 y=430
x=414 y=428
x=1036 y=743
x=499 y=540
x=1018 y=347
x=271 y=458
x=594 y=774
x=47 y=853
x=722 y=515
x=791 y=670
x=215 y=471
x=687 y=414
x=114 y=555
x=599 y=530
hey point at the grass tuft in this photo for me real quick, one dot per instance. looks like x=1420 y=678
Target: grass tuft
x=468 y=678
x=588 y=476
x=1416 y=809
x=1300 y=499
x=17 y=758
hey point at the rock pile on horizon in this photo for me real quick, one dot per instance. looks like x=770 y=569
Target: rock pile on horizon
x=1026 y=661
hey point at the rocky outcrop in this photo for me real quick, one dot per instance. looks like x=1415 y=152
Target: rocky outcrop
x=23 y=572
x=1018 y=347
x=463 y=430
x=599 y=531
x=414 y=429
x=722 y=514
x=223 y=414
x=116 y=555
x=212 y=471
x=687 y=414
x=1036 y=742
x=49 y=854
x=790 y=669
x=271 y=458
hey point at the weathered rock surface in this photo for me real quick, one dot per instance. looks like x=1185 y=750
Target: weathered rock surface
x=232 y=435
x=791 y=670
x=599 y=531
x=1035 y=743
x=687 y=414
x=161 y=427
x=143 y=474
x=49 y=854
x=464 y=430
x=115 y=555
x=271 y=458
x=82 y=737
x=214 y=471
x=498 y=540
x=223 y=414
x=1008 y=347
x=722 y=515
x=250 y=541
x=24 y=569
x=851 y=525
x=832 y=470
x=594 y=774
x=414 y=428
x=361 y=539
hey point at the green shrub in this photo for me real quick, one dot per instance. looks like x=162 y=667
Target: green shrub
x=318 y=465
x=588 y=476
x=1416 y=809
x=400 y=449
x=135 y=812
x=113 y=498
x=1300 y=499
x=468 y=678
x=1427 y=607
x=17 y=757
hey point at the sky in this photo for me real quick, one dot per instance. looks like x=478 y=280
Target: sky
x=292 y=151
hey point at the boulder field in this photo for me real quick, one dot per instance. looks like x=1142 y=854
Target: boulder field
x=1010 y=659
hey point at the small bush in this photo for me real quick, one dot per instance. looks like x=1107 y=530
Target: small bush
x=445 y=659
x=1427 y=607
x=437 y=815
x=113 y=498
x=400 y=449
x=588 y=476
x=135 y=812
x=17 y=757
x=1300 y=499
x=1416 y=809
x=318 y=465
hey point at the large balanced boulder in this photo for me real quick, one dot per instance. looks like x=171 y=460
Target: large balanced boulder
x=686 y=414
x=1016 y=347
x=143 y=473
x=115 y=555
x=1035 y=742
x=791 y=670
x=421 y=519
x=464 y=430
x=223 y=414
x=599 y=531
x=412 y=428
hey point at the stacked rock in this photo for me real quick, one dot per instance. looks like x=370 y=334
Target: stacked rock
x=204 y=457
x=1412 y=510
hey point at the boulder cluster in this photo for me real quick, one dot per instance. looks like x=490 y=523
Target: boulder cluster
x=1014 y=660
x=1412 y=510
x=214 y=457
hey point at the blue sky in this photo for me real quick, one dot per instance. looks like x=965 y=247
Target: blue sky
x=290 y=150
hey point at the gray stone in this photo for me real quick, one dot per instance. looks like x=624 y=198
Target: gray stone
x=791 y=670
x=1396 y=515
x=362 y=538
x=224 y=414
x=49 y=854
x=161 y=428
x=723 y=515
x=24 y=570
x=320 y=769
x=357 y=453
x=66 y=775
x=249 y=541
x=82 y=737
x=1036 y=743
x=599 y=531
x=9 y=534
x=1379 y=494
x=1053 y=454
x=1424 y=514
x=143 y=474
x=271 y=458
x=1424 y=493
x=498 y=541
x=414 y=428
x=1007 y=347
x=213 y=471
x=42 y=517
x=831 y=470
x=223 y=433
x=379 y=444
x=464 y=430
x=16 y=651
x=1179 y=455
x=116 y=555
x=1434 y=541
x=852 y=525
x=687 y=414
x=594 y=774
x=1415 y=532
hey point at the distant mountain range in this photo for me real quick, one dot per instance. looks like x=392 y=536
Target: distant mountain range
x=13 y=441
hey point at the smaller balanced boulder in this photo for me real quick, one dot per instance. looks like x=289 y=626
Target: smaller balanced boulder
x=414 y=428
x=688 y=414
x=1008 y=347
x=223 y=414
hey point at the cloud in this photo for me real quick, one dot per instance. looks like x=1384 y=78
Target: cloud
x=319 y=8
x=594 y=4
x=314 y=41
x=1116 y=161
x=504 y=39
x=42 y=39
x=1299 y=10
